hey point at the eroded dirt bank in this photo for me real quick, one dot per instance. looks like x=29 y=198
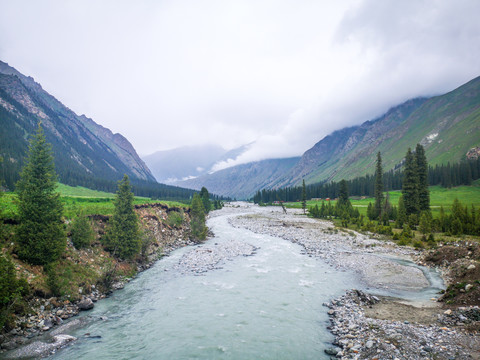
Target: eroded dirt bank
x=48 y=315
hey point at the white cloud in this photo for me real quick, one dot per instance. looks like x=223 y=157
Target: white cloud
x=282 y=74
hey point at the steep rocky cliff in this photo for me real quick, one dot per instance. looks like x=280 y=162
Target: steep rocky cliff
x=81 y=147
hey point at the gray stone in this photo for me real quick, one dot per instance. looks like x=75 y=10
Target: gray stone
x=332 y=351
x=86 y=304
x=9 y=345
x=369 y=344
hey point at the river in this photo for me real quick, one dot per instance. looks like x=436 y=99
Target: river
x=267 y=305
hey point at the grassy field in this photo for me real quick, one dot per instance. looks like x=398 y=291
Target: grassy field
x=439 y=196
x=79 y=198
x=79 y=191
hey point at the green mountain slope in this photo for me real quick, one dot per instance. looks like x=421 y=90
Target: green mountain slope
x=448 y=126
x=82 y=148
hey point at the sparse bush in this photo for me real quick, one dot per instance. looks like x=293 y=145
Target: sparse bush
x=417 y=244
x=174 y=219
x=82 y=234
x=11 y=292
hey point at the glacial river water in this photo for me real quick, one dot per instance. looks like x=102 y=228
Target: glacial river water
x=264 y=306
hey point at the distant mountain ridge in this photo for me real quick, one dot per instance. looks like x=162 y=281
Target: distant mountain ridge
x=81 y=147
x=448 y=126
x=187 y=162
x=242 y=181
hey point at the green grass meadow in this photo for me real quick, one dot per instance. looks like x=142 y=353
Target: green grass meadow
x=76 y=199
x=439 y=196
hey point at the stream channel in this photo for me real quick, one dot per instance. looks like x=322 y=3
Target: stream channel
x=267 y=305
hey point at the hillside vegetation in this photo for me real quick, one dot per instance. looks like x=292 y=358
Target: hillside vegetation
x=446 y=125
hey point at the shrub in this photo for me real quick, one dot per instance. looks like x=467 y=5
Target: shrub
x=11 y=291
x=82 y=234
x=174 y=219
x=417 y=244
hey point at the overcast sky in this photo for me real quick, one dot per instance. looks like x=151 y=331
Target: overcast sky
x=280 y=73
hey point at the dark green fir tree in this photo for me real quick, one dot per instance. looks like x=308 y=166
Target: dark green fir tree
x=410 y=184
x=304 y=197
x=40 y=236
x=197 y=219
x=122 y=237
x=378 y=207
x=205 y=196
x=422 y=177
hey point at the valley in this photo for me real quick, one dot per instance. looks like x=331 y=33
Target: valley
x=359 y=223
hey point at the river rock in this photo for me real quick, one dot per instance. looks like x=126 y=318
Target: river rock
x=468 y=287
x=332 y=351
x=86 y=304
x=471 y=267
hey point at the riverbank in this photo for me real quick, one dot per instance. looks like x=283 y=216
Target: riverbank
x=368 y=327
x=48 y=316
x=365 y=327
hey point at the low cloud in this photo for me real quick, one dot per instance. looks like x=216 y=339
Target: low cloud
x=281 y=74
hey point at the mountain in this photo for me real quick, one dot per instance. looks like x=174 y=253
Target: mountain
x=448 y=126
x=242 y=181
x=176 y=165
x=82 y=148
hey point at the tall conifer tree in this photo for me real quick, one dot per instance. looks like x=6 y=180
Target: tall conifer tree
x=410 y=184
x=304 y=197
x=205 y=196
x=40 y=236
x=197 y=219
x=123 y=237
x=378 y=187
x=422 y=174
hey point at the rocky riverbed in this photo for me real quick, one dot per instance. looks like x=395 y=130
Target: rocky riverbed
x=368 y=326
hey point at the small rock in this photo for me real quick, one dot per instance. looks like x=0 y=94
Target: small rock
x=369 y=344
x=468 y=287
x=86 y=304
x=448 y=312
x=332 y=351
x=9 y=345
x=471 y=267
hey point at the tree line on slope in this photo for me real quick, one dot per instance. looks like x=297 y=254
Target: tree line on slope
x=413 y=211
x=463 y=173
x=14 y=148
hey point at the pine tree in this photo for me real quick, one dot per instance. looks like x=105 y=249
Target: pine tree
x=343 y=194
x=40 y=236
x=422 y=178
x=425 y=223
x=401 y=213
x=122 y=237
x=378 y=187
x=197 y=219
x=410 y=184
x=304 y=197
x=205 y=196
